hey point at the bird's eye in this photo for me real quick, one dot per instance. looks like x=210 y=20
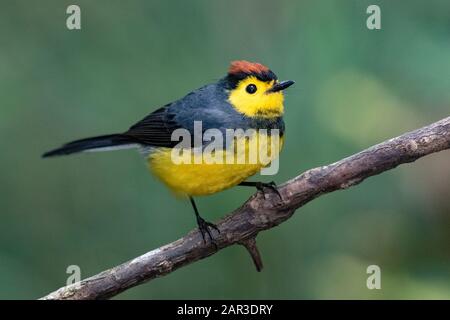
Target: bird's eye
x=251 y=88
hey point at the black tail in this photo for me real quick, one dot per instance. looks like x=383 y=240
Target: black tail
x=92 y=144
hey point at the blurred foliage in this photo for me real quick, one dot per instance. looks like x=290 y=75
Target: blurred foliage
x=355 y=87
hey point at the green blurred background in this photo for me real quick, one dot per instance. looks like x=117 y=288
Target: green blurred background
x=354 y=88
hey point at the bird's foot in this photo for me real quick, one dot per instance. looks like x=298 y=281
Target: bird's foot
x=204 y=228
x=263 y=186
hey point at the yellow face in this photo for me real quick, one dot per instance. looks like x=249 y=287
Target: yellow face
x=251 y=98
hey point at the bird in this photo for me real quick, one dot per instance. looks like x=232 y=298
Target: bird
x=249 y=96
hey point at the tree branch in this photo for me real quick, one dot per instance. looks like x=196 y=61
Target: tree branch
x=260 y=213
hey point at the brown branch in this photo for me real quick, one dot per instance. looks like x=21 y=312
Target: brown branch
x=250 y=245
x=258 y=214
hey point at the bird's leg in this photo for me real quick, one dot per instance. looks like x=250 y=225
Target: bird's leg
x=204 y=225
x=261 y=186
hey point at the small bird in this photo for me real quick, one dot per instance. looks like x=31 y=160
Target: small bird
x=248 y=97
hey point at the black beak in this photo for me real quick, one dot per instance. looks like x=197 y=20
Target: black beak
x=281 y=86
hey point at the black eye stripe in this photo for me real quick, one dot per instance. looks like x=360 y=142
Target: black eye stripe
x=251 y=88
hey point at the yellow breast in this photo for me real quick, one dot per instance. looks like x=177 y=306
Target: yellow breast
x=202 y=176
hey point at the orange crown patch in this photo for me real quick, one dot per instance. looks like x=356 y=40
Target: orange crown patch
x=242 y=66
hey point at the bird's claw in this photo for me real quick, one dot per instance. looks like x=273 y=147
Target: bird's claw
x=204 y=228
x=271 y=185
